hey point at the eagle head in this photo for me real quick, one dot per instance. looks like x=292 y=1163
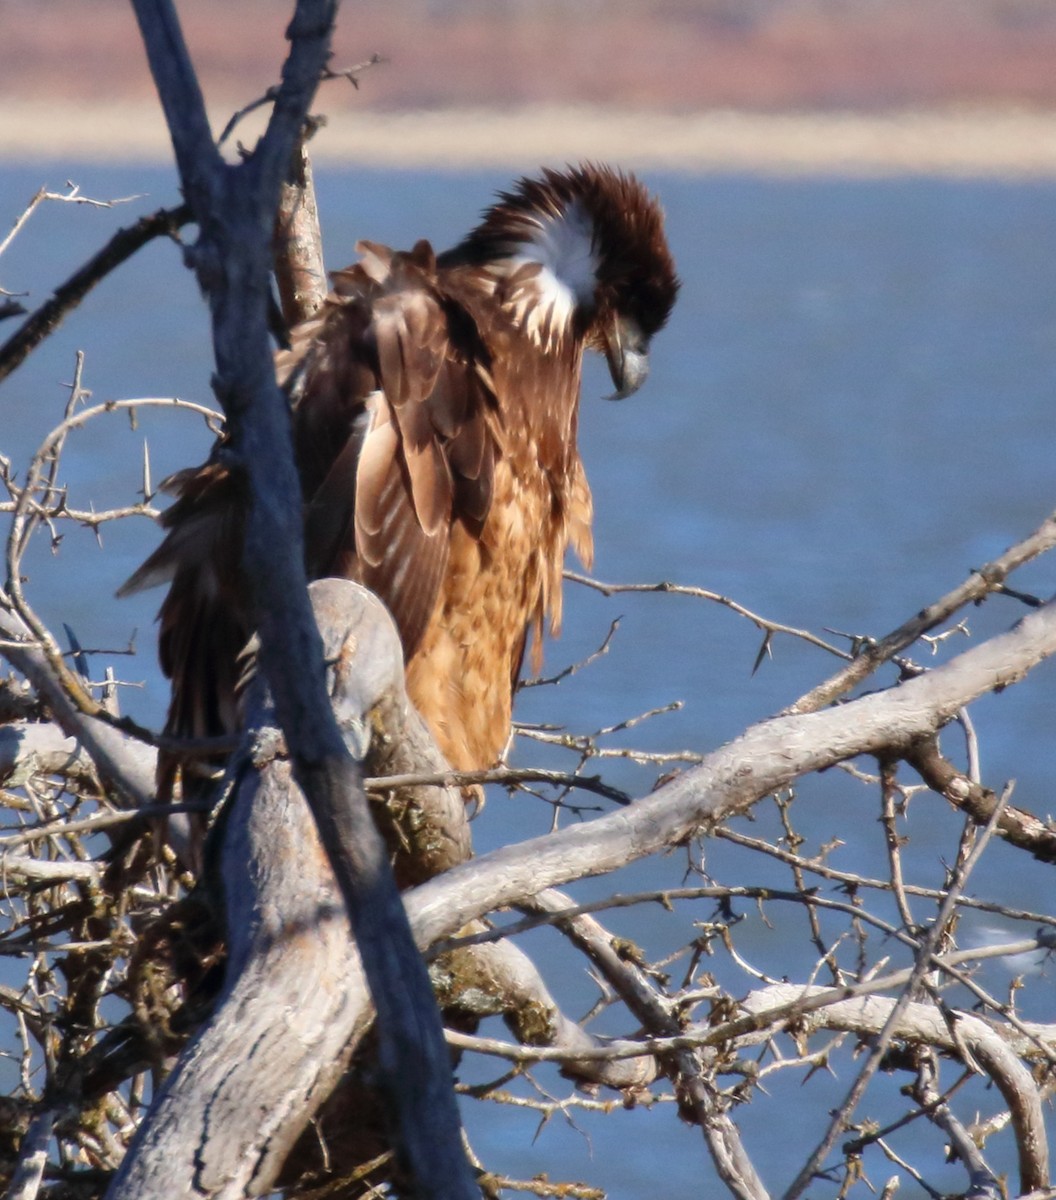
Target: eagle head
x=582 y=253
x=636 y=284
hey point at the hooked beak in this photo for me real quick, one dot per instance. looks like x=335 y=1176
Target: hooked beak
x=627 y=353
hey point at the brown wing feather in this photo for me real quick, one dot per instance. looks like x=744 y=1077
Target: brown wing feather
x=204 y=622
x=389 y=395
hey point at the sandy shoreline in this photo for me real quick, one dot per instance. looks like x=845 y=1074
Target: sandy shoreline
x=1007 y=144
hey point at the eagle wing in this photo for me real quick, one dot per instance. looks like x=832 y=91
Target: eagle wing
x=396 y=433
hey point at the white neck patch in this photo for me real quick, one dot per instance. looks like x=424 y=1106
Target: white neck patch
x=562 y=244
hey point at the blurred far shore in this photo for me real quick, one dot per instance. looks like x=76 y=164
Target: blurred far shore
x=858 y=87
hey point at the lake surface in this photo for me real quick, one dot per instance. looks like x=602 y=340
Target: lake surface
x=851 y=408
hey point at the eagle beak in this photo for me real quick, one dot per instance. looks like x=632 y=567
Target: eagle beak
x=627 y=353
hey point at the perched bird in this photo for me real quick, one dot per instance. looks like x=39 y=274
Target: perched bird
x=434 y=408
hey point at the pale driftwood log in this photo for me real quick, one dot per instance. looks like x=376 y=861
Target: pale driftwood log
x=295 y=1002
x=294 y=994
x=226 y=1117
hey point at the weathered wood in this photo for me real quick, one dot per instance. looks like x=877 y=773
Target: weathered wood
x=731 y=779
x=126 y=766
x=498 y=979
x=295 y=996
x=29 y=748
x=295 y=1003
x=955 y=1031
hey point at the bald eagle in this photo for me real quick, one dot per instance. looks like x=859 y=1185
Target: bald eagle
x=434 y=408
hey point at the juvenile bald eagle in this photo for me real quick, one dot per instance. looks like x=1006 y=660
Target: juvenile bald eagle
x=434 y=405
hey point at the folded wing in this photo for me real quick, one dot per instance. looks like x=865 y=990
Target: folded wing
x=395 y=431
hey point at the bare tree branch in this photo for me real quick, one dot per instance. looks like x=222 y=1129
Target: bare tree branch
x=696 y=1091
x=487 y=980
x=731 y=779
x=922 y=964
x=121 y=760
x=349 y=73
x=976 y=587
x=119 y=249
x=927 y=1024
x=983 y=1183
x=768 y=627
x=33 y=1158
x=235 y=207
x=1015 y=825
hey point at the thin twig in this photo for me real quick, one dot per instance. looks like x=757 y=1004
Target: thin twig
x=676 y=589
x=351 y=74
x=46 y=319
x=508 y=776
x=976 y=587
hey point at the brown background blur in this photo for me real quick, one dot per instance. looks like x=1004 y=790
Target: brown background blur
x=669 y=55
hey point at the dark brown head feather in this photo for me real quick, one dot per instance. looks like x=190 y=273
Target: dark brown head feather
x=636 y=275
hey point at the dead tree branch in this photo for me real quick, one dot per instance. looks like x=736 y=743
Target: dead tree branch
x=123 y=761
x=119 y=249
x=764 y=759
x=1015 y=825
x=665 y=587
x=694 y=1087
x=927 y=1024
x=922 y=964
x=500 y=980
x=234 y=206
x=976 y=587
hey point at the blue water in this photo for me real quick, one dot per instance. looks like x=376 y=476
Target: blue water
x=851 y=407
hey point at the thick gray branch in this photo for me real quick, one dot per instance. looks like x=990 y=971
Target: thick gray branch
x=731 y=779
x=295 y=995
